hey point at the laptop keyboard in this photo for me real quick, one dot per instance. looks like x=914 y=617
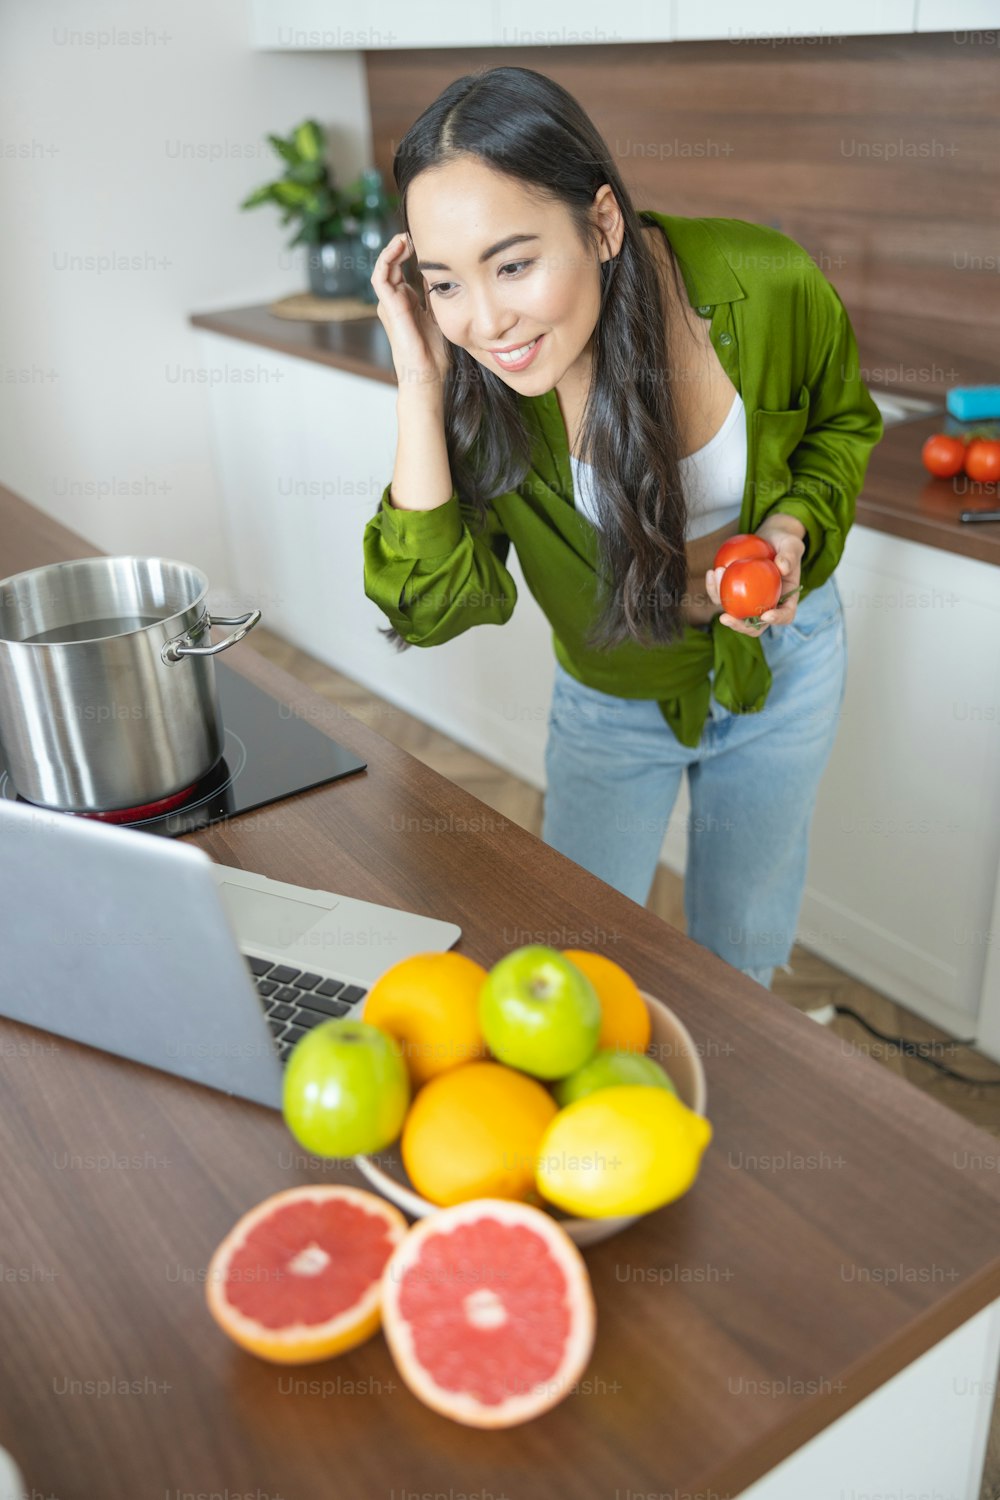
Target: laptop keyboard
x=295 y=1000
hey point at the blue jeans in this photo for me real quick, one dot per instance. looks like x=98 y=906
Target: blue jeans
x=613 y=769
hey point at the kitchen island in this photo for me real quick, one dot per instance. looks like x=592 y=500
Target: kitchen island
x=817 y=1319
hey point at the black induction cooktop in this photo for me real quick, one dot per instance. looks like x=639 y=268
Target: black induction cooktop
x=269 y=753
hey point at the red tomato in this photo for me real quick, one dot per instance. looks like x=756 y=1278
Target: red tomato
x=943 y=455
x=982 y=460
x=739 y=547
x=749 y=586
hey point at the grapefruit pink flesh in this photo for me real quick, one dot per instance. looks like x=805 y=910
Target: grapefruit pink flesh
x=307 y=1263
x=299 y=1277
x=488 y=1311
x=494 y=1339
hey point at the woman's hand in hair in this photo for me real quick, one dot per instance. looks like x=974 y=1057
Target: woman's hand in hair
x=786 y=535
x=419 y=348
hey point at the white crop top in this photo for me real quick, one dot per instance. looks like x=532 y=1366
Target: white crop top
x=713 y=478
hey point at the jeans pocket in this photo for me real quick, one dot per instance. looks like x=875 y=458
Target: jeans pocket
x=819 y=612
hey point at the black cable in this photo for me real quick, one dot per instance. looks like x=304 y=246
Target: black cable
x=920 y=1051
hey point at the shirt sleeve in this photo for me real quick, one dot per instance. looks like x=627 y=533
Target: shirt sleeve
x=828 y=465
x=431 y=575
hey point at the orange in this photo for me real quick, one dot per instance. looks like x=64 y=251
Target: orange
x=489 y=1313
x=430 y=1004
x=299 y=1277
x=473 y=1132
x=625 y=1022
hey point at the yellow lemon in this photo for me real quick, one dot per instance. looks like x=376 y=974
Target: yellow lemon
x=624 y=1150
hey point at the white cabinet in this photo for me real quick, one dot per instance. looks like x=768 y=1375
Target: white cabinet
x=295 y=25
x=305 y=25
x=959 y=17
x=725 y=20
x=908 y=820
x=291 y=25
x=905 y=843
x=525 y=23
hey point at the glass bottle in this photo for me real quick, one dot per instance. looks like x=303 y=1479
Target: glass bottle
x=375 y=230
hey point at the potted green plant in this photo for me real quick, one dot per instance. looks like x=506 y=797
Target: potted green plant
x=343 y=229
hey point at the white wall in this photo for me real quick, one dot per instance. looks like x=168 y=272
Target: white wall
x=141 y=150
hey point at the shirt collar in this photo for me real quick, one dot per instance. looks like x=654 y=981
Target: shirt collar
x=708 y=276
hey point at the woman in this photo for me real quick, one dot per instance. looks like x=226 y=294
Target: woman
x=672 y=382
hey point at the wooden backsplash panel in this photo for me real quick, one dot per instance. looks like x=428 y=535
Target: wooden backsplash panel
x=879 y=155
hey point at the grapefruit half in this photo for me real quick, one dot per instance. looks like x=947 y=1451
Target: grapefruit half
x=298 y=1278
x=488 y=1312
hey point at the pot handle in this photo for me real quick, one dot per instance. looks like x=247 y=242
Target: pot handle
x=180 y=645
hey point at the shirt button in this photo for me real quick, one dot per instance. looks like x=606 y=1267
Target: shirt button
x=725 y=338
x=705 y=310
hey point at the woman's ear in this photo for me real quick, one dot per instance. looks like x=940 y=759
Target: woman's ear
x=610 y=222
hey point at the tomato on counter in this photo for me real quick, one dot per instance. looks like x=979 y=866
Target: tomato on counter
x=943 y=456
x=982 y=460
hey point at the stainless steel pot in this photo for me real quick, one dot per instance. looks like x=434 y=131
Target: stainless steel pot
x=107 y=683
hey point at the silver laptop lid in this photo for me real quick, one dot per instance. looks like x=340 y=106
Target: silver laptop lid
x=120 y=939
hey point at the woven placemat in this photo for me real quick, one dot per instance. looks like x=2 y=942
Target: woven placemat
x=304 y=306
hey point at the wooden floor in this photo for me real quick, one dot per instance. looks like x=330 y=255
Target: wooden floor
x=813 y=982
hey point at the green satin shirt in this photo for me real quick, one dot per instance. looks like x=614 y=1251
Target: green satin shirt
x=783 y=337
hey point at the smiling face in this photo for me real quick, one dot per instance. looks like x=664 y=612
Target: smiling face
x=544 y=287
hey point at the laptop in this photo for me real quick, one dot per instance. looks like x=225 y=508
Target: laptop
x=147 y=948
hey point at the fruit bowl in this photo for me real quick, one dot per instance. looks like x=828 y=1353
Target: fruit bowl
x=671 y=1045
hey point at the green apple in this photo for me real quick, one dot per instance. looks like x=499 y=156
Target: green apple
x=610 y=1069
x=539 y=1012
x=346 y=1089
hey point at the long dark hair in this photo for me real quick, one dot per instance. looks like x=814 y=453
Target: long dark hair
x=526 y=125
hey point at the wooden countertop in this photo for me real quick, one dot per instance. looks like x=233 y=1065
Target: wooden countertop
x=898 y=497
x=843 y=1222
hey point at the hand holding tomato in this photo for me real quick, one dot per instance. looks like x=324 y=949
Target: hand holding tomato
x=755 y=578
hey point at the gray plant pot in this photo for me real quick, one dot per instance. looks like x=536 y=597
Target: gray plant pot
x=335 y=267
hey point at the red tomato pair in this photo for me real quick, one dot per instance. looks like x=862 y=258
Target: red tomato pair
x=944 y=456
x=752 y=581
